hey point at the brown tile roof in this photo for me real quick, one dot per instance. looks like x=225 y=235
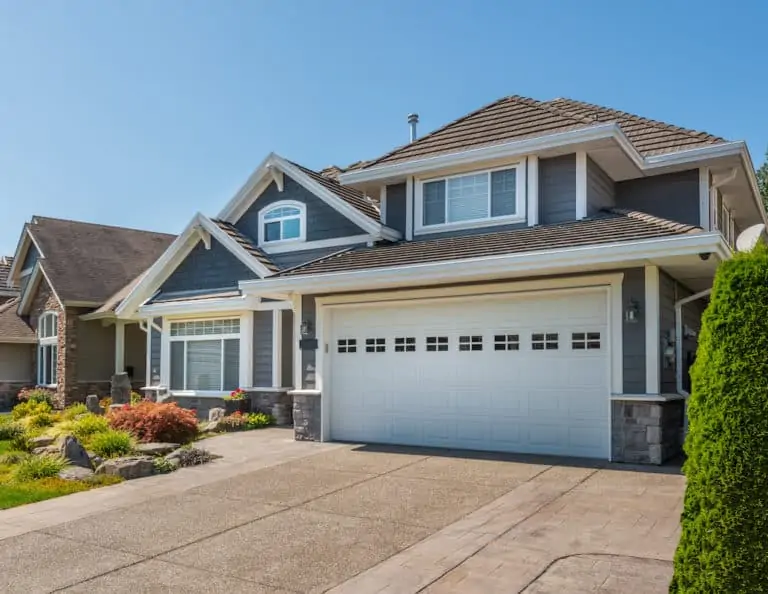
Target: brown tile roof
x=90 y=262
x=610 y=226
x=247 y=244
x=354 y=197
x=11 y=325
x=5 y=267
x=516 y=118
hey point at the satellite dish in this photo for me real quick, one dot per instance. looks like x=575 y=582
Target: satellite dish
x=748 y=239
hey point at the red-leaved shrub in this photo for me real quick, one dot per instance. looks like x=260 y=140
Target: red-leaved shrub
x=153 y=421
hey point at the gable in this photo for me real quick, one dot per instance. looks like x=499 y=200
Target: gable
x=31 y=257
x=205 y=269
x=323 y=221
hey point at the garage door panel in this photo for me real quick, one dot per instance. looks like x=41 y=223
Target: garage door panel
x=522 y=400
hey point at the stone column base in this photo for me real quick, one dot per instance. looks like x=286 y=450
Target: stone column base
x=306 y=415
x=275 y=402
x=646 y=432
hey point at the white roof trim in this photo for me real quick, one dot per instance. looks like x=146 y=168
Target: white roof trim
x=175 y=254
x=463 y=270
x=254 y=186
x=21 y=253
x=200 y=306
x=38 y=273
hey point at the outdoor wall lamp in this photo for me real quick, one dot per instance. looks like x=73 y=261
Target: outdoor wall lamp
x=632 y=312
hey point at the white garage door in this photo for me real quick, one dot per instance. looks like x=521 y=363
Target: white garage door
x=505 y=374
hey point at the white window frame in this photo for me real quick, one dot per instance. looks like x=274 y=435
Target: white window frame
x=241 y=335
x=520 y=201
x=44 y=343
x=283 y=204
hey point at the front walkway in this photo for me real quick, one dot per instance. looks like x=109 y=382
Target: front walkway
x=306 y=517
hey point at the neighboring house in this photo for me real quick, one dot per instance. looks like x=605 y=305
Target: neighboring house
x=63 y=271
x=6 y=293
x=528 y=278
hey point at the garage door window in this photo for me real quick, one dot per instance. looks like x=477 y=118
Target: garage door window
x=541 y=342
x=347 y=345
x=437 y=343
x=506 y=342
x=470 y=343
x=405 y=344
x=581 y=341
x=375 y=345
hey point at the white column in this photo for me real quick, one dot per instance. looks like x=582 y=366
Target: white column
x=652 y=331
x=533 y=191
x=119 y=346
x=298 y=382
x=704 y=208
x=148 y=360
x=246 y=350
x=581 y=185
x=409 y=188
x=277 y=348
x=165 y=354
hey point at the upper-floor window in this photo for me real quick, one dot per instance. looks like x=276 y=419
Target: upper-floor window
x=47 y=348
x=471 y=200
x=281 y=222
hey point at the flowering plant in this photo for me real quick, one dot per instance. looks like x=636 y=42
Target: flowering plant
x=238 y=394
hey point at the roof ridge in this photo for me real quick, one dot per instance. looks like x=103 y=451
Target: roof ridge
x=649 y=218
x=550 y=108
x=689 y=131
x=36 y=218
x=246 y=242
x=440 y=129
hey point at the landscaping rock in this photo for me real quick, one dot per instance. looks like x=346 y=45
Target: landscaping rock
x=175 y=463
x=215 y=414
x=129 y=468
x=210 y=427
x=73 y=451
x=44 y=451
x=96 y=460
x=75 y=473
x=42 y=441
x=156 y=448
x=92 y=404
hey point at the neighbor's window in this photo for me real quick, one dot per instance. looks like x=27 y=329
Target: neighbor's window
x=474 y=197
x=205 y=355
x=48 y=348
x=283 y=221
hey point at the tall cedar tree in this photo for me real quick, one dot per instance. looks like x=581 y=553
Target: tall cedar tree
x=724 y=541
x=762 y=180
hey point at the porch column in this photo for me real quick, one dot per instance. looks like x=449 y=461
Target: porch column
x=119 y=346
x=277 y=348
x=652 y=331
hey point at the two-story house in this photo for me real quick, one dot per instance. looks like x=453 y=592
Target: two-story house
x=528 y=278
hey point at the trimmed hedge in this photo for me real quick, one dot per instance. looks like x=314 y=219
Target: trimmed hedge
x=724 y=541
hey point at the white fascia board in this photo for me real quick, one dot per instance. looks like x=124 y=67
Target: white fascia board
x=516 y=148
x=38 y=273
x=234 y=247
x=22 y=248
x=202 y=306
x=235 y=203
x=489 y=266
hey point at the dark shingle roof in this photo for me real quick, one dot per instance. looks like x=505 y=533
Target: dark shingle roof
x=516 y=118
x=354 y=197
x=5 y=267
x=90 y=262
x=609 y=226
x=11 y=325
x=247 y=244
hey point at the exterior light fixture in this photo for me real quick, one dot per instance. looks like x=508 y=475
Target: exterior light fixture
x=632 y=312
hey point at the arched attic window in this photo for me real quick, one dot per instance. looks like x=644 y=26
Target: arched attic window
x=281 y=222
x=47 y=348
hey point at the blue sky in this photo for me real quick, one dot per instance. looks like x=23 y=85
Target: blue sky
x=143 y=112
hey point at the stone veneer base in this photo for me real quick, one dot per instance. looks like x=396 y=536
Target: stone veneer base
x=306 y=416
x=646 y=432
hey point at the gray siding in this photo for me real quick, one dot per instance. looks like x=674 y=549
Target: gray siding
x=216 y=268
x=634 y=334
x=287 y=355
x=673 y=196
x=30 y=258
x=291 y=259
x=154 y=357
x=262 y=349
x=557 y=189
x=478 y=231
x=396 y=207
x=323 y=221
x=308 y=356
x=601 y=192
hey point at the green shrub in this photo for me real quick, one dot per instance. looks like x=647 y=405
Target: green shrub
x=723 y=545
x=36 y=395
x=136 y=398
x=73 y=411
x=30 y=409
x=84 y=427
x=40 y=420
x=154 y=421
x=13 y=457
x=111 y=443
x=191 y=456
x=38 y=467
x=10 y=431
x=258 y=420
x=162 y=465
x=22 y=442
x=234 y=422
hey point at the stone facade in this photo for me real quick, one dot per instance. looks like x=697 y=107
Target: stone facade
x=646 y=432
x=45 y=301
x=201 y=405
x=306 y=416
x=277 y=403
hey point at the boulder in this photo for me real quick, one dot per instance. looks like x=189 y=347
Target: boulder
x=210 y=427
x=156 y=448
x=132 y=467
x=96 y=460
x=73 y=451
x=121 y=388
x=41 y=442
x=215 y=414
x=75 y=473
x=92 y=404
x=45 y=451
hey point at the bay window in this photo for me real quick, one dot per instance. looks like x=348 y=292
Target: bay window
x=47 y=348
x=205 y=355
x=476 y=199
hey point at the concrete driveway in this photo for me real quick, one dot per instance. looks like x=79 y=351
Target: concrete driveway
x=279 y=516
